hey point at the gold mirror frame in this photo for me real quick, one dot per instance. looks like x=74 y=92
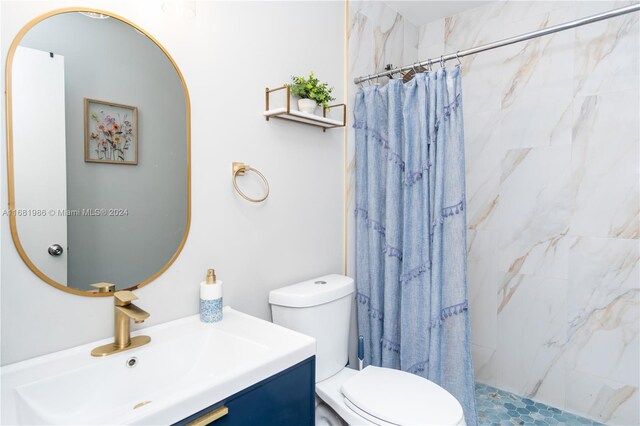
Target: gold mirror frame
x=9 y=134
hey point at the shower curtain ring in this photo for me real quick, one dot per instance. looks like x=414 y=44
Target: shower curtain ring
x=442 y=61
x=458 y=57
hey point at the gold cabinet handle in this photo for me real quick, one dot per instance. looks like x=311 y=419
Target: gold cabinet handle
x=210 y=417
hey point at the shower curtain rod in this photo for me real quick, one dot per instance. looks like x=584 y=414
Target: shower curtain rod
x=506 y=41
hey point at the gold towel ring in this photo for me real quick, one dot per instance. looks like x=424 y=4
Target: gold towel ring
x=239 y=169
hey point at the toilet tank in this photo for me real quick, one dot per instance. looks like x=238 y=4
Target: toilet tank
x=320 y=308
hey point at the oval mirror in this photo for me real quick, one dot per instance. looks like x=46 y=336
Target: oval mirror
x=98 y=152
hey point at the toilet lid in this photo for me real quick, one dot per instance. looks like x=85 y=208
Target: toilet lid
x=401 y=398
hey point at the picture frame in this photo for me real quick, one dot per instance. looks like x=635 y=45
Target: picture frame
x=111 y=132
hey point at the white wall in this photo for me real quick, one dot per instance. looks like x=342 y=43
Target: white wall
x=228 y=54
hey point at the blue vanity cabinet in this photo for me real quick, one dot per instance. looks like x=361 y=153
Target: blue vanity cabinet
x=286 y=398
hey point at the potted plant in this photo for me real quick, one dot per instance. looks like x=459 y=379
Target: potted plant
x=311 y=93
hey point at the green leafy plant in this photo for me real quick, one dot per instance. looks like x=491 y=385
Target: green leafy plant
x=312 y=88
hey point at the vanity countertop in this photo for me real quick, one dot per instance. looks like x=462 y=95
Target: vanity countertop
x=187 y=366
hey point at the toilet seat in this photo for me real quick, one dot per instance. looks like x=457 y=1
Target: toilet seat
x=373 y=420
x=392 y=397
x=397 y=397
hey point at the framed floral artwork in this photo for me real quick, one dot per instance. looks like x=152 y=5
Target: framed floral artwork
x=111 y=132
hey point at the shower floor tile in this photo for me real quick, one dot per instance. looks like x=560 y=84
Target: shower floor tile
x=497 y=407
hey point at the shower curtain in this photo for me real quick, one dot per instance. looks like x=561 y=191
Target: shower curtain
x=411 y=231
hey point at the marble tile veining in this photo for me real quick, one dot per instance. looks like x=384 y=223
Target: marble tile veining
x=531 y=362
x=604 y=165
x=606 y=52
x=483 y=144
x=604 y=400
x=534 y=211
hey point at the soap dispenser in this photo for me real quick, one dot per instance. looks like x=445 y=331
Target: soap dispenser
x=211 y=298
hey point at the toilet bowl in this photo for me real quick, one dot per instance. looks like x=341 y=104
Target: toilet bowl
x=326 y=416
x=321 y=308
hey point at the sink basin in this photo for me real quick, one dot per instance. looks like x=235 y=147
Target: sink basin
x=187 y=367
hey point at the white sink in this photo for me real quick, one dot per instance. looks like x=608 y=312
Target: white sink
x=187 y=367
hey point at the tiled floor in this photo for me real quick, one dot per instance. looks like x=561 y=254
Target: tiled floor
x=497 y=407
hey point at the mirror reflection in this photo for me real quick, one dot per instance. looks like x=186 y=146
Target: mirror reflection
x=99 y=117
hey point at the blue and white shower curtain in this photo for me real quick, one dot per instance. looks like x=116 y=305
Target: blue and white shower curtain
x=411 y=231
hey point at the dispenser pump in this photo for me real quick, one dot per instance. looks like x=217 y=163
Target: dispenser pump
x=211 y=276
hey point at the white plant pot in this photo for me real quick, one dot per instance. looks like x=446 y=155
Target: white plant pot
x=307 y=106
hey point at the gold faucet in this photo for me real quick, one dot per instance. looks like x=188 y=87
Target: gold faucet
x=124 y=312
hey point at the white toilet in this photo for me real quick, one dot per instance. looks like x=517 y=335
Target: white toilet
x=321 y=308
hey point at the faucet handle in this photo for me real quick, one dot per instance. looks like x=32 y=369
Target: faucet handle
x=123 y=297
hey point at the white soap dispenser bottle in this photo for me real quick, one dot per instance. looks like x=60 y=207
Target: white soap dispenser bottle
x=211 y=298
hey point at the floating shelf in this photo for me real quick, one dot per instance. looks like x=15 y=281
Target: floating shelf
x=302 y=117
x=286 y=113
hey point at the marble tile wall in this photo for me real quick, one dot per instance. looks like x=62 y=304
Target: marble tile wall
x=552 y=147
x=552 y=134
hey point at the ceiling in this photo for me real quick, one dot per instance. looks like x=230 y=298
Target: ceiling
x=420 y=12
